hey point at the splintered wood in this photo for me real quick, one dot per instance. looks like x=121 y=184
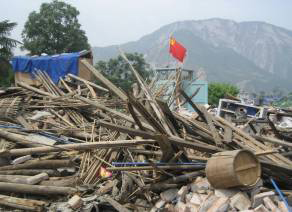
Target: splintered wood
x=119 y=150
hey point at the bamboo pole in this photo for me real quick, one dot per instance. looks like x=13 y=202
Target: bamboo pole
x=28 y=87
x=87 y=82
x=69 y=147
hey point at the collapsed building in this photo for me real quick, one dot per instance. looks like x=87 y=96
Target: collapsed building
x=66 y=145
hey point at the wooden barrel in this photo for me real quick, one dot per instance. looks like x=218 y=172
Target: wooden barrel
x=239 y=168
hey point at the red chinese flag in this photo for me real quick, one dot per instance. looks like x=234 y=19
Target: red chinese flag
x=177 y=50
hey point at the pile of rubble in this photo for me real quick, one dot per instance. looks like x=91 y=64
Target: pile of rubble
x=200 y=196
x=81 y=146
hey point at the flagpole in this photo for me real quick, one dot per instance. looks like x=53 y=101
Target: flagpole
x=178 y=52
x=168 y=61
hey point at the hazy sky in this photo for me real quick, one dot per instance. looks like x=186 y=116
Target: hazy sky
x=117 y=21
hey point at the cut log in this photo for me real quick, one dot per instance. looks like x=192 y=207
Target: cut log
x=36 y=189
x=40 y=164
x=23 y=204
x=31 y=172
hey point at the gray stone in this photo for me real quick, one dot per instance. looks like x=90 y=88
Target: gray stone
x=169 y=194
x=258 y=199
x=240 y=201
x=182 y=193
x=208 y=203
x=261 y=208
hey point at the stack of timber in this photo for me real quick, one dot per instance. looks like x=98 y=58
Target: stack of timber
x=79 y=146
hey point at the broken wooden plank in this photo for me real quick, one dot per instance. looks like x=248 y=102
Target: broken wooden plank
x=104 y=80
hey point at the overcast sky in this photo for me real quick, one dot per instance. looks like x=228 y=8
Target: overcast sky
x=110 y=22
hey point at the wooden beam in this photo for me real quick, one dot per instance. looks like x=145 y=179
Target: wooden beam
x=70 y=147
x=210 y=122
x=193 y=105
x=157 y=110
x=36 y=189
x=19 y=139
x=255 y=145
x=87 y=82
x=104 y=80
x=273 y=140
x=40 y=164
x=114 y=112
x=175 y=140
x=39 y=91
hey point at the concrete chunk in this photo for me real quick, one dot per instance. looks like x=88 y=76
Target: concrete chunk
x=169 y=194
x=75 y=202
x=283 y=207
x=160 y=203
x=192 y=207
x=220 y=205
x=196 y=199
x=270 y=205
x=182 y=193
x=258 y=199
x=261 y=208
x=208 y=203
x=181 y=207
x=240 y=201
x=201 y=185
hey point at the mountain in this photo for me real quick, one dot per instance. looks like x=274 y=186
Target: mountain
x=256 y=56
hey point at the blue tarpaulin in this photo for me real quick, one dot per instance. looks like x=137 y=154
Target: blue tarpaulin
x=56 y=65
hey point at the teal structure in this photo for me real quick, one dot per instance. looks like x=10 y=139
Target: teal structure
x=189 y=85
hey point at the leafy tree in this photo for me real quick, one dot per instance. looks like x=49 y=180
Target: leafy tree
x=54 y=29
x=7 y=75
x=6 y=43
x=217 y=91
x=6 y=46
x=118 y=71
